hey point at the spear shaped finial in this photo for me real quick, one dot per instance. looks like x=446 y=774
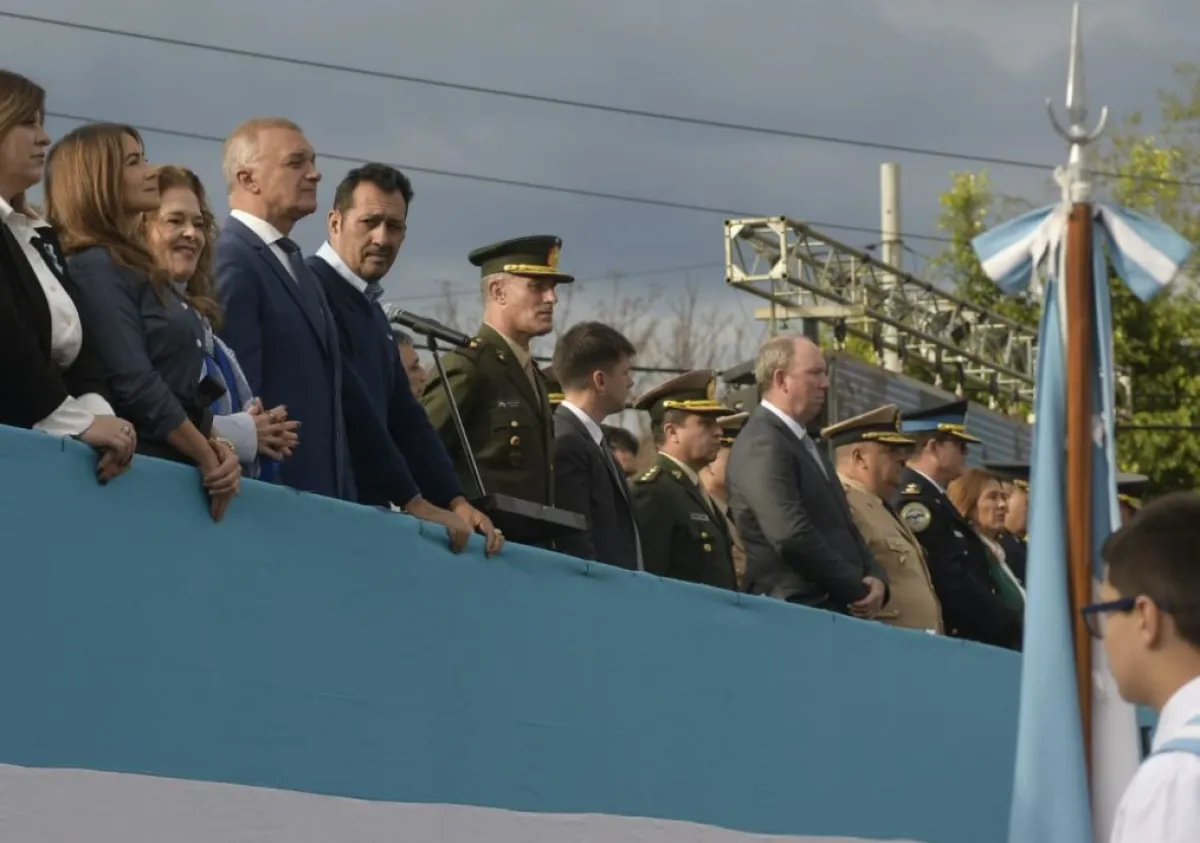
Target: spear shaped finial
x=1076 y=134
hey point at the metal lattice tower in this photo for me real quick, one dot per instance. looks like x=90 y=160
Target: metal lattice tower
x=806 y=275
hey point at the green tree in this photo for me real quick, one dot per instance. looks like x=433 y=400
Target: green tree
x=1157 y=344
x=1158 y=173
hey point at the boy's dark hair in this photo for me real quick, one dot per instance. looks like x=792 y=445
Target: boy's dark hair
x=586 y=348
x=620 y=438
x=1156 y=555
x=388 y=179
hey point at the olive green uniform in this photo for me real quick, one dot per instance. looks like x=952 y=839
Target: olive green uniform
x=509 y=426
x=683 y=536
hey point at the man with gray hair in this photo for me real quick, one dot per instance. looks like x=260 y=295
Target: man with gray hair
x=790 y=509
x=501 y=393
x=276 y=318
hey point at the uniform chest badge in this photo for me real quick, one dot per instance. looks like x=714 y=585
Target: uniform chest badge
x=912 y=489
x=917 y=516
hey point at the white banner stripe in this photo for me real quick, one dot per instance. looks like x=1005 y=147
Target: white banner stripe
x=53 y=806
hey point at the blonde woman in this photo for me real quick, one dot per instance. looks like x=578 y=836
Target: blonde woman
x=150 y=339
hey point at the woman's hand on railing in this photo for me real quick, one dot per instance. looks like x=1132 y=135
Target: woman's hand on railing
x=115 y=440
x=221 y=476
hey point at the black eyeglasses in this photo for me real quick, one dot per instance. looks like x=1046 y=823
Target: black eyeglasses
x=1094 y=614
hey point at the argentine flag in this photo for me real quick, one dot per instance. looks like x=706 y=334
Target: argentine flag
x=1053 y=801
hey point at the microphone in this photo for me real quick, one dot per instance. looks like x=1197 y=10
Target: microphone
x=425 y=326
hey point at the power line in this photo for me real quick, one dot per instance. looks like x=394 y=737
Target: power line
x=613 y=277
x=529 y=185
x=647 y=114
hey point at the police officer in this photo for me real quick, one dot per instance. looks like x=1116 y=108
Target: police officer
x=958 y=559
x=1129 y=491
x=501 y=393
x=684 y=534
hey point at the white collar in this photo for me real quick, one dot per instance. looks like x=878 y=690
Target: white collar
x=8 y=212
x=266 y=232
x=793 y=425
x=329 y=254
x=1182 y=707
x=933 y=482
x=588 y=422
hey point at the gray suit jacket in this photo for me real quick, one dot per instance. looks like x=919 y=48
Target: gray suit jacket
x=801 y=542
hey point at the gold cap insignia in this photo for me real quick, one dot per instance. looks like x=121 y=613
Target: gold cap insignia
x=552 y=258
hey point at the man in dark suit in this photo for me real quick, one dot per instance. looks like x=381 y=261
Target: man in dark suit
x=683 y=534
x=276 y=318
x=789 y=507
x=500 y=392
x=594 y=364
x=366 y=231
x=959 y=564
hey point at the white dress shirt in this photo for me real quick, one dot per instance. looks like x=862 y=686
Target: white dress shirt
x=269 y=234
x=328 y=254
x=1162 y=803
x=76 y=414
x=801 y=434
x=592 y=428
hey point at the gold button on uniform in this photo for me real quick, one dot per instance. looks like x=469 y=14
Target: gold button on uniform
x=516 y=440
x=514 y=423
x=707 y=547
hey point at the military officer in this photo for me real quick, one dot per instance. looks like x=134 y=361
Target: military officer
x=684 y=535
x=502 y=395
x=957 y=557
x=1014 y=479
x=554 y=390
x=869 y=454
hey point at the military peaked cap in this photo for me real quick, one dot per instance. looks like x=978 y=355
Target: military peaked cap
x=946 y=419
x=881 y=425
x=695 y=392
x=731 y=426
x=1016 y=473
x=534 y=257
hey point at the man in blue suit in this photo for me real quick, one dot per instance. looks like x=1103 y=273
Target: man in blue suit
x=367 y=227
x=275 y=318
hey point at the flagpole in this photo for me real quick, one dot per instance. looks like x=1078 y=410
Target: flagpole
x=1080 y=331
x=1079 y=298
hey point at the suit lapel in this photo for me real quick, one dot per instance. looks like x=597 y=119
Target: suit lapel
x=304 y=295
x=27 y=277
x=610 y=464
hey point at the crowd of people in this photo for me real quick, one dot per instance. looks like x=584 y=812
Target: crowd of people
x=130 y=321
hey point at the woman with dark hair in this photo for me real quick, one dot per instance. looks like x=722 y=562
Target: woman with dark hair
x=151 y=340
x=180 y=235
x=50 y=377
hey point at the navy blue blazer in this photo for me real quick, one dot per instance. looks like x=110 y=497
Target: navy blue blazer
x=287 y=343
x=411 y=450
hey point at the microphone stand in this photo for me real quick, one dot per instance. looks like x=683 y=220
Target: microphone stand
x=456 y=416
x=522 y=521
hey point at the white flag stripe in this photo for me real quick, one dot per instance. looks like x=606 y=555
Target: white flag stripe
x=54 y=805
x=1148 y=257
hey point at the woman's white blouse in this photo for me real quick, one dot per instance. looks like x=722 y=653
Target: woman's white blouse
x=75 y=414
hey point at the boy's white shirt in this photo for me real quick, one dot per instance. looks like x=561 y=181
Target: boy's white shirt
x=1162 y=803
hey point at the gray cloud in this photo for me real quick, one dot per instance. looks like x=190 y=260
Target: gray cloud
x=967 y=76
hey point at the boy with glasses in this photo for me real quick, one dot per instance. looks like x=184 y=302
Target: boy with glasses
x=1149 y=618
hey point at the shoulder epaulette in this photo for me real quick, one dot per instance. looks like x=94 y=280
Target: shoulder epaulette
x=912 y=489
x=649 y=475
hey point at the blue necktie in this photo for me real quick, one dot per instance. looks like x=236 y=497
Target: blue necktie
x=373 y=292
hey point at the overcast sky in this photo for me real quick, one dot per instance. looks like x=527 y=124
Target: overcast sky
x=960 y=75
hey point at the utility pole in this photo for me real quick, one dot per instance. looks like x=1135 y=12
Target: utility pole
x=892 y=248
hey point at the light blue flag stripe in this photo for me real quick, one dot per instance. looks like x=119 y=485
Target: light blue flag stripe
x=1051 y=800
x=1050 y=792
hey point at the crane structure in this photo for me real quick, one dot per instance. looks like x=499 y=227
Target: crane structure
x=805 y=275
